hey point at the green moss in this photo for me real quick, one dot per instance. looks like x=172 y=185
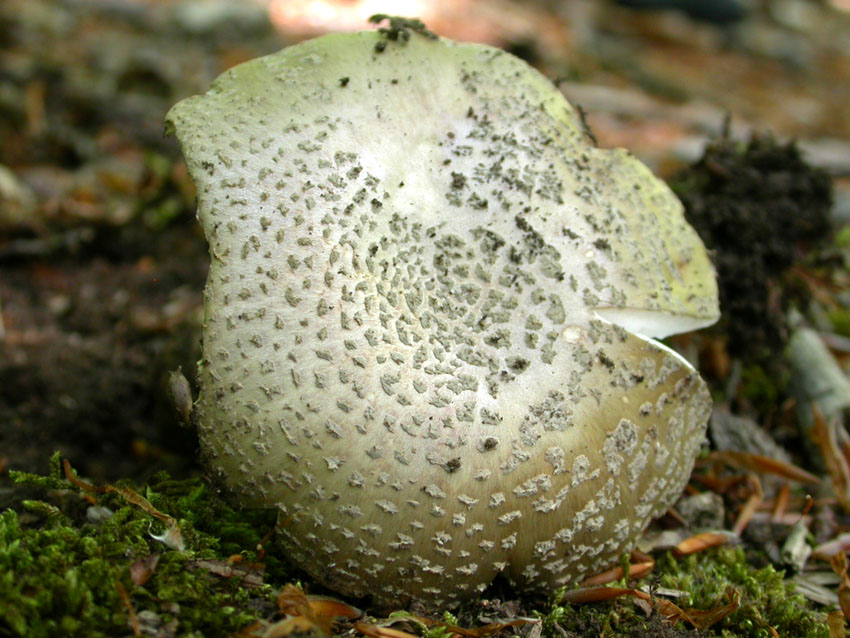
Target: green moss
x=761 y=388
x=54 y=479
x=55 y=581
x=60 y=574
x=840 y=319
x=766 y=601
x=610 y=619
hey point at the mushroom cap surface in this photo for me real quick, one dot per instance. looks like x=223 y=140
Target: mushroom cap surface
x=410 y=347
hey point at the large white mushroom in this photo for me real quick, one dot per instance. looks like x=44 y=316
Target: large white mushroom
x=429 y=318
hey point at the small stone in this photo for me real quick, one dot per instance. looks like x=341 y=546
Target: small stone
x=703 y=511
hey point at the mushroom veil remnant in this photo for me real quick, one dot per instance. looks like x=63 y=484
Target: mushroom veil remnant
x=429 y=318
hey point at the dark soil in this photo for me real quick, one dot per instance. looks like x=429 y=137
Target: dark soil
x=756 y=208
x=101 y=282
x=96 y=336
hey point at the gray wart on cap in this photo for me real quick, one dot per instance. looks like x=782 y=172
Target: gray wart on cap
x=429 y=318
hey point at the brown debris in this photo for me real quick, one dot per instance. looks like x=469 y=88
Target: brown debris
x=763 y=465
x=641 y=565
x=302 y=613
x=701 y=542
x=131 y=612
x=250 y=575
x=383 y=629
x=143 y=568
x=837 y=622
x=701 y=619
x=750 y=506
x=839 y=565
x=832 y=440
x=172 y=536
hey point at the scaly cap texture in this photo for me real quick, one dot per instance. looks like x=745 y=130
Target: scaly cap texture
x=427 y=318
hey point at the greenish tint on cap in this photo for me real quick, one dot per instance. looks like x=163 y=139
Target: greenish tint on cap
x=428 y=318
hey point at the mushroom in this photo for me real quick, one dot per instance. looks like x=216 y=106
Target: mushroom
x=429 y=318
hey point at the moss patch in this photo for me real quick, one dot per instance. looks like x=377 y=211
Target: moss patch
x=65 y=560
x=766 y=601
x=64 y=563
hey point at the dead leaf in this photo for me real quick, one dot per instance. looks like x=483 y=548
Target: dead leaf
x=819 y=587
x=750 y=506
x=826 y=436
x=383 y=630
x=487 y=630
x=249 y=574
x=837 y=623
x=143 y=568
x=598 y=594
x=377 y=631
x=701 y=542
x=332 y=608
x=839 y=566
x=720 y=485
x=827 y=550
x=131 y=613
x=763 y=465
x=252 y=630
x=306 y=613
x=780 y=504
x=844 y=600
x=641 y=565
x=699 y=618
x=292 y=601
x=289 y=626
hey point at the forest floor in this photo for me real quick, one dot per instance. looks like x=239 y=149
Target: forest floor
x=102 y=267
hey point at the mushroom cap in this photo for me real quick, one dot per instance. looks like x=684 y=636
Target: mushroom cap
x=427 y=318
